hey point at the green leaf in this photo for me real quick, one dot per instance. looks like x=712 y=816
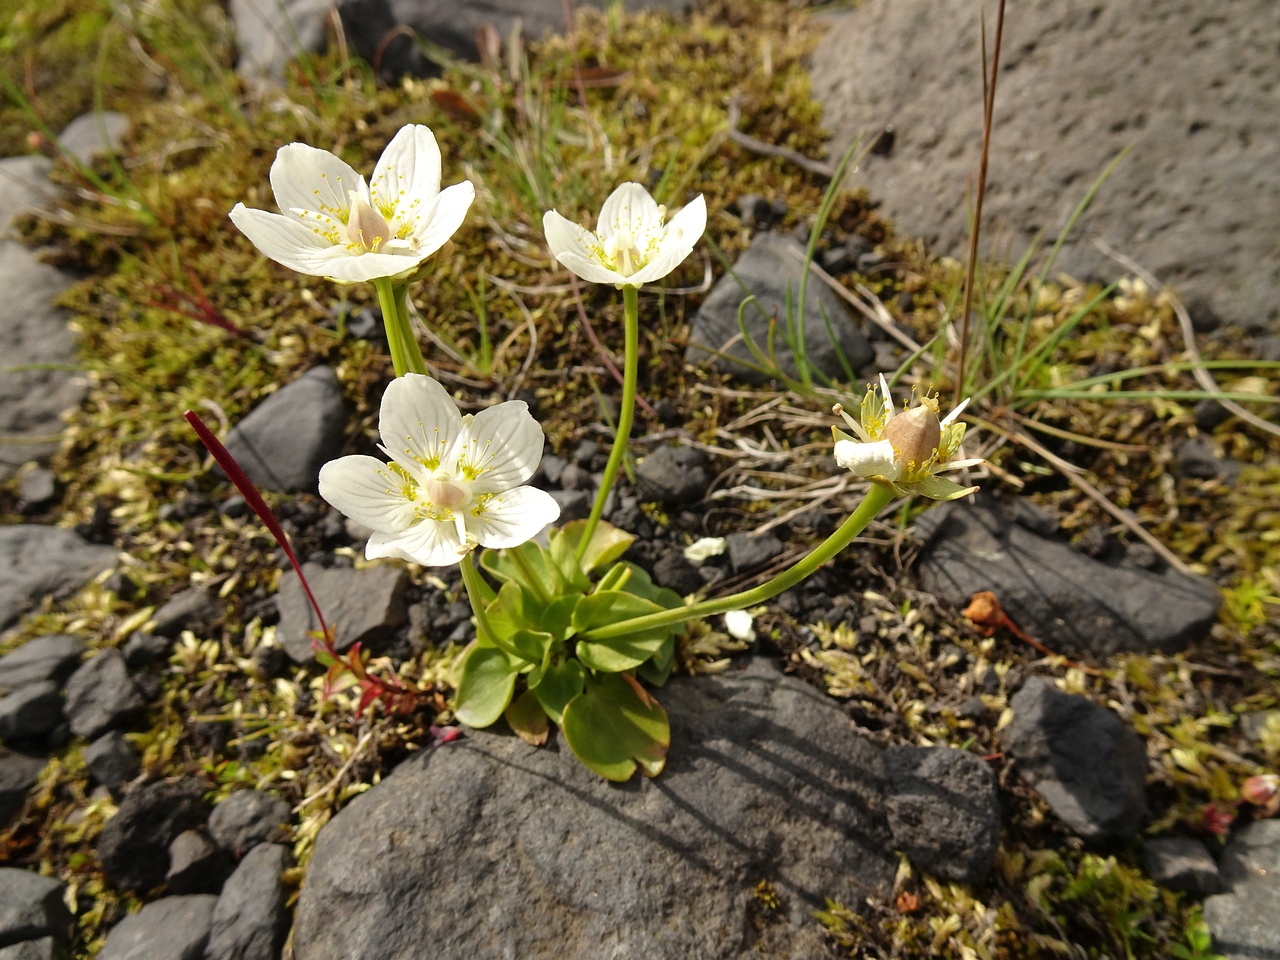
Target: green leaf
x=559 y=684
x=607 y=544
x=572 y=575
x=657 y=669
x=506 y=613
x=533 y=560
x=527 y=719
x=616 y=653
x=533 y=645
x=614 y=725
x=486 y=681
x=558 y=615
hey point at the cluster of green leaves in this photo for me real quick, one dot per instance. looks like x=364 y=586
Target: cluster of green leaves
x=532 y=631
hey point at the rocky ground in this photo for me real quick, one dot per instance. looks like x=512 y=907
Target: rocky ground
x=887 y=768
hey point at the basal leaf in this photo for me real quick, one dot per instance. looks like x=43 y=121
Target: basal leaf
x=615 y=725
x=527 y=719
x=607 y=544
x=559 y=684
x=616 y=653
x=486 y=681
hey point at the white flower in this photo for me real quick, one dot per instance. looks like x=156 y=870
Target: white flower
x=453 y=481
x=740 y=625
x=335 y=225
x=702 y=550
x=631 y=246
x=904 y=451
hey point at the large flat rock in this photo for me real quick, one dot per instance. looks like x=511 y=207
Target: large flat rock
x=37 y=561
x=1191 y=87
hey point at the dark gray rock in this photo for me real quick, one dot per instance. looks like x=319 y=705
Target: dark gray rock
x=365 y=605
x=171 y=928
x=92 y=134
x=18 y=774
x=1089 y=767
x=46 y=948
x=34 y=335
x=767 y=780
x=31 y=907
x=49 y=658
x=1194 y=202
x=671 y=569
x=195 y=606
x=250 y=920
x=38 y=561
x=573 y=504
x=101 y=695
x=30 y=711
x=288 y=437
x=771 y=269
x=133 y=847
x=1243 y=920
x=749 y=552
x=196 y=864
x=1075 y=605
x=944 y=810
x=673 y=476
x=246 y=819
x=38 y=488
x=143 y=648
x=1195 y=459
x=1181 y=863
x=111 y=761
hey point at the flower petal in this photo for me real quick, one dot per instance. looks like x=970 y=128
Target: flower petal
x=631 y=208
x=441 y=220
x=888 y=399
x=419 y=422
x=432 y=543
x=312 y=179
x=868 y=459
x=407 y=176
x=566 y=237
x=509 y=519
x=591 y=270
x=500 y=449
x=369 y=492
x=347 y=267
x=283 y=239
x=950 y=418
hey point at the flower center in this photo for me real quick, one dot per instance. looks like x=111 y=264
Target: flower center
x=915 y=435
x=366 y=227
x=624 y=252
x=447 y=492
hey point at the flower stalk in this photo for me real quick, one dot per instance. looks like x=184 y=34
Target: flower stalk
x=393 y=298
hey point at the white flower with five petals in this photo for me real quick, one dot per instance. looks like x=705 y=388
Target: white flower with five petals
x=337 y=226
x=453 y=482
x=904 y=451
x=632 y=245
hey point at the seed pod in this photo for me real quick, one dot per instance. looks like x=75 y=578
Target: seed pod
x=915 y=435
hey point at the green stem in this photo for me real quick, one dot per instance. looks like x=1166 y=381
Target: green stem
x=393 y=297
x=877 y=499
x=630 y=364
x=475 y=593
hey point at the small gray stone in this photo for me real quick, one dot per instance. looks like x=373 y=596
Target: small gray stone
x=672 y=570
x=365 y=605
x=673 y=476
x=18 y=774
x=101 y=695
x=1253 y=724
x=196 y=864
x=1181 y=863
x=771 y=269
x=943 y=810
x=172 y=928
x=288 y=437
x=92 y=134
x=133 y=847
x=37 y=561
x=31 y=907
x=111 y=761
x=194 y=606
x=46 y=948
x=30 y=711
x=250 y=920
x=1253 y=854
x=246 y=819
x=749 y=552
x=573 y=504
x=1243 y=920
x=143 y=648
x=52 y=657
x=38 y=487
x=1195 y=459
x=1089 y=767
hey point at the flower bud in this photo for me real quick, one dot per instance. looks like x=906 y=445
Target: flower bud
x=1263 y=791
x=915 y=434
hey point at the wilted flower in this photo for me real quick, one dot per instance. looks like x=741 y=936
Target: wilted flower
x=631 y=246
x=453 y=482
x=1263 y=791
x=740 y=625
x=335 y=225
x=906 y=450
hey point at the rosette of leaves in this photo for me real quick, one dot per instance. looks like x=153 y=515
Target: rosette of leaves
x=533 y=666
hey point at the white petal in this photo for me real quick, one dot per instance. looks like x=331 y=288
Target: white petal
x=303 y=176
x=347 y=266
x=960 y=464
x=441 y=220
x=369 y=492
x=432 y=543
x=868 y=459
x=740 y=625
x=950 y=418
x=663 y=262
x=509 y=519
x=888 y=399
x=566 y=237
x=501 y=448
x=281 y=238
x=408 y=172
x=592 y=270
x=631 y=208
x=686 y=228
x=419 y=422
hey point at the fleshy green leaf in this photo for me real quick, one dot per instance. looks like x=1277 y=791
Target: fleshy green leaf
x=657 y=669
x=607 y=544
x=559 y=684
x=527 y=719
x=572 y=575
x=614 y=725
x=533 y=645
x=616 y=653
x=531 y=564
x=486 y=681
